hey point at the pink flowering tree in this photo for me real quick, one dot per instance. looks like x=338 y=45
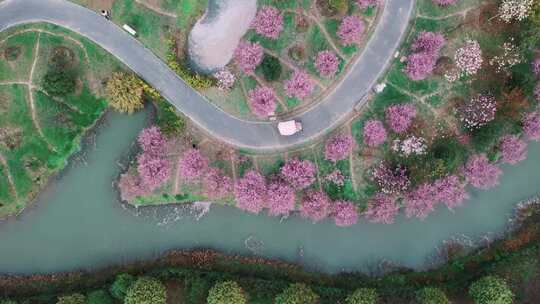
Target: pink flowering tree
x=382 y=208
x=225 y=79
x=131 y=187
x=374 y=133
x=469 y=58
x=345 y=213
x=480 y=173
x=152 y=141
x=429 y=42
x=391 y=179
x=250 y=192
x=367 y=3
x=154 y=171
x=300 y=85
x=327 y=63
x=281 y=198
x=248 y=56
x=299 y=173
x=338 y=147
x=420 y=66
x=535 y=66
x=478 y=111
x=536 y=92
x=421 y=201
x=531 y=126
x=262 y=101
x=350 y=30
x=513 y=149
x=451 y=191
x=400 y=117
x=216 y=184
x=315 y=205
x=193 y=164
x=268 y=22
x=335 y=177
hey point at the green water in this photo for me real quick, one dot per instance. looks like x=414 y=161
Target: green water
x=77 y=222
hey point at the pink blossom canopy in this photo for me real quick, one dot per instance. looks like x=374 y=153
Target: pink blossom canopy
x=262 y=101
x=152 y=141
x=428 y=42
x=345 y=213
x=315 y=205
x=391 y=179
x=216 y=184
x=300 y=85
x=513 y=149
x=299 y=173
x=421 y=201
x=131 y=187
x=250 y=192
x=399 y=117
x=450 y=190
x=268 y=22
x=154 y=171
x=420 y=65
x=281 y=198
x=531 y=126
x=535 y=66
x=338 y=147
x=193 y=164
x=478 y=111
x=248 y=56
x=374 y=133
x=382 y=208
x=350 y=30
x=480 y=173
x=327 y=63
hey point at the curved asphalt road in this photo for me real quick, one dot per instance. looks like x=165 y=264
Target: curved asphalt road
x=257 y=136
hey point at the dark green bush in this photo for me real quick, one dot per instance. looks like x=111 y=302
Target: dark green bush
x=431 y=295
x=270 y=68
x=363 y=296
x=121 y=285
x=60 y=78
x=169 y=121
x=99 y=297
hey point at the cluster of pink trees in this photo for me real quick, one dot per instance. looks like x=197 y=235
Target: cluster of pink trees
x=300 y=85
x=426 y=49
x=478 y=111
x=153 y=168
x=248 y=56
x=338 y=147
x=299 y=173
x=326 y=63
x=268 y=22
x=262 y=101
x=350 y=30
x=399 y=117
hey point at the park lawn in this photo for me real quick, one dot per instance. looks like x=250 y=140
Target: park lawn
x=38 y=148
x=18 y=69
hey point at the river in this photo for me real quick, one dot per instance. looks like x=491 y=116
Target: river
x=77 y=222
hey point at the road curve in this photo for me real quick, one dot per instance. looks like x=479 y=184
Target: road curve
x=256 y=136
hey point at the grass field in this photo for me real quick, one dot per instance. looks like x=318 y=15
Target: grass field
x=39 y=132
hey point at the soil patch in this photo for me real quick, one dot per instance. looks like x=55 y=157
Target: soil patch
x=63 y=56
x=175 y=292
x=97 y=4
x=12 y=53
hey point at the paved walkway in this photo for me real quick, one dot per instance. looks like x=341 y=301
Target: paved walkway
x=258 y=136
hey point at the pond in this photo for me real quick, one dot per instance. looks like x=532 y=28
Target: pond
x=78 y=223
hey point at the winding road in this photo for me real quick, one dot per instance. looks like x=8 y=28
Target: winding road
x=256 y=136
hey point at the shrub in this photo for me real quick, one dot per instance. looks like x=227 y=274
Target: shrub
x=193 y=79
x=270 y=67
x=491 y=290
x=59 y=80
x=75 y=298
x=363 y=296
x=120 y=286
x=228 y=292
x=125 y=92
x=99 y=297
x=431 y=295
x=168 y=120
x=297 y=293
x=8 y=302
x=146 y=291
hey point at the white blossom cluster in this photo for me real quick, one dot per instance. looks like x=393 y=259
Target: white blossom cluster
x=409 y=146
x=225 y=79
x=468 y=58
x=509 y=57
x=515 y=9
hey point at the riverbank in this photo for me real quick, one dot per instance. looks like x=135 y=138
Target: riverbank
x=507 y=258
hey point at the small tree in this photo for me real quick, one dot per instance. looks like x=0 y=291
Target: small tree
x=99 y=297
x=228 y=292
x=125 y=92
x=270 y=68
x=7 y=302
x=120 y=286
x=60 y=79
x=431 y=295
x=491 y=290
x=297 y=293
x=363 y=296
x=75 y=298
x=146 y=291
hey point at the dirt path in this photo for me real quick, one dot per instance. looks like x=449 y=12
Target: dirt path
x=316 y=158
x=177 y=177
x=4 y=163
x=351 y=161
x=156 y=9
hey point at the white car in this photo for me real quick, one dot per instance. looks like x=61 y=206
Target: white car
x=288 y=128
